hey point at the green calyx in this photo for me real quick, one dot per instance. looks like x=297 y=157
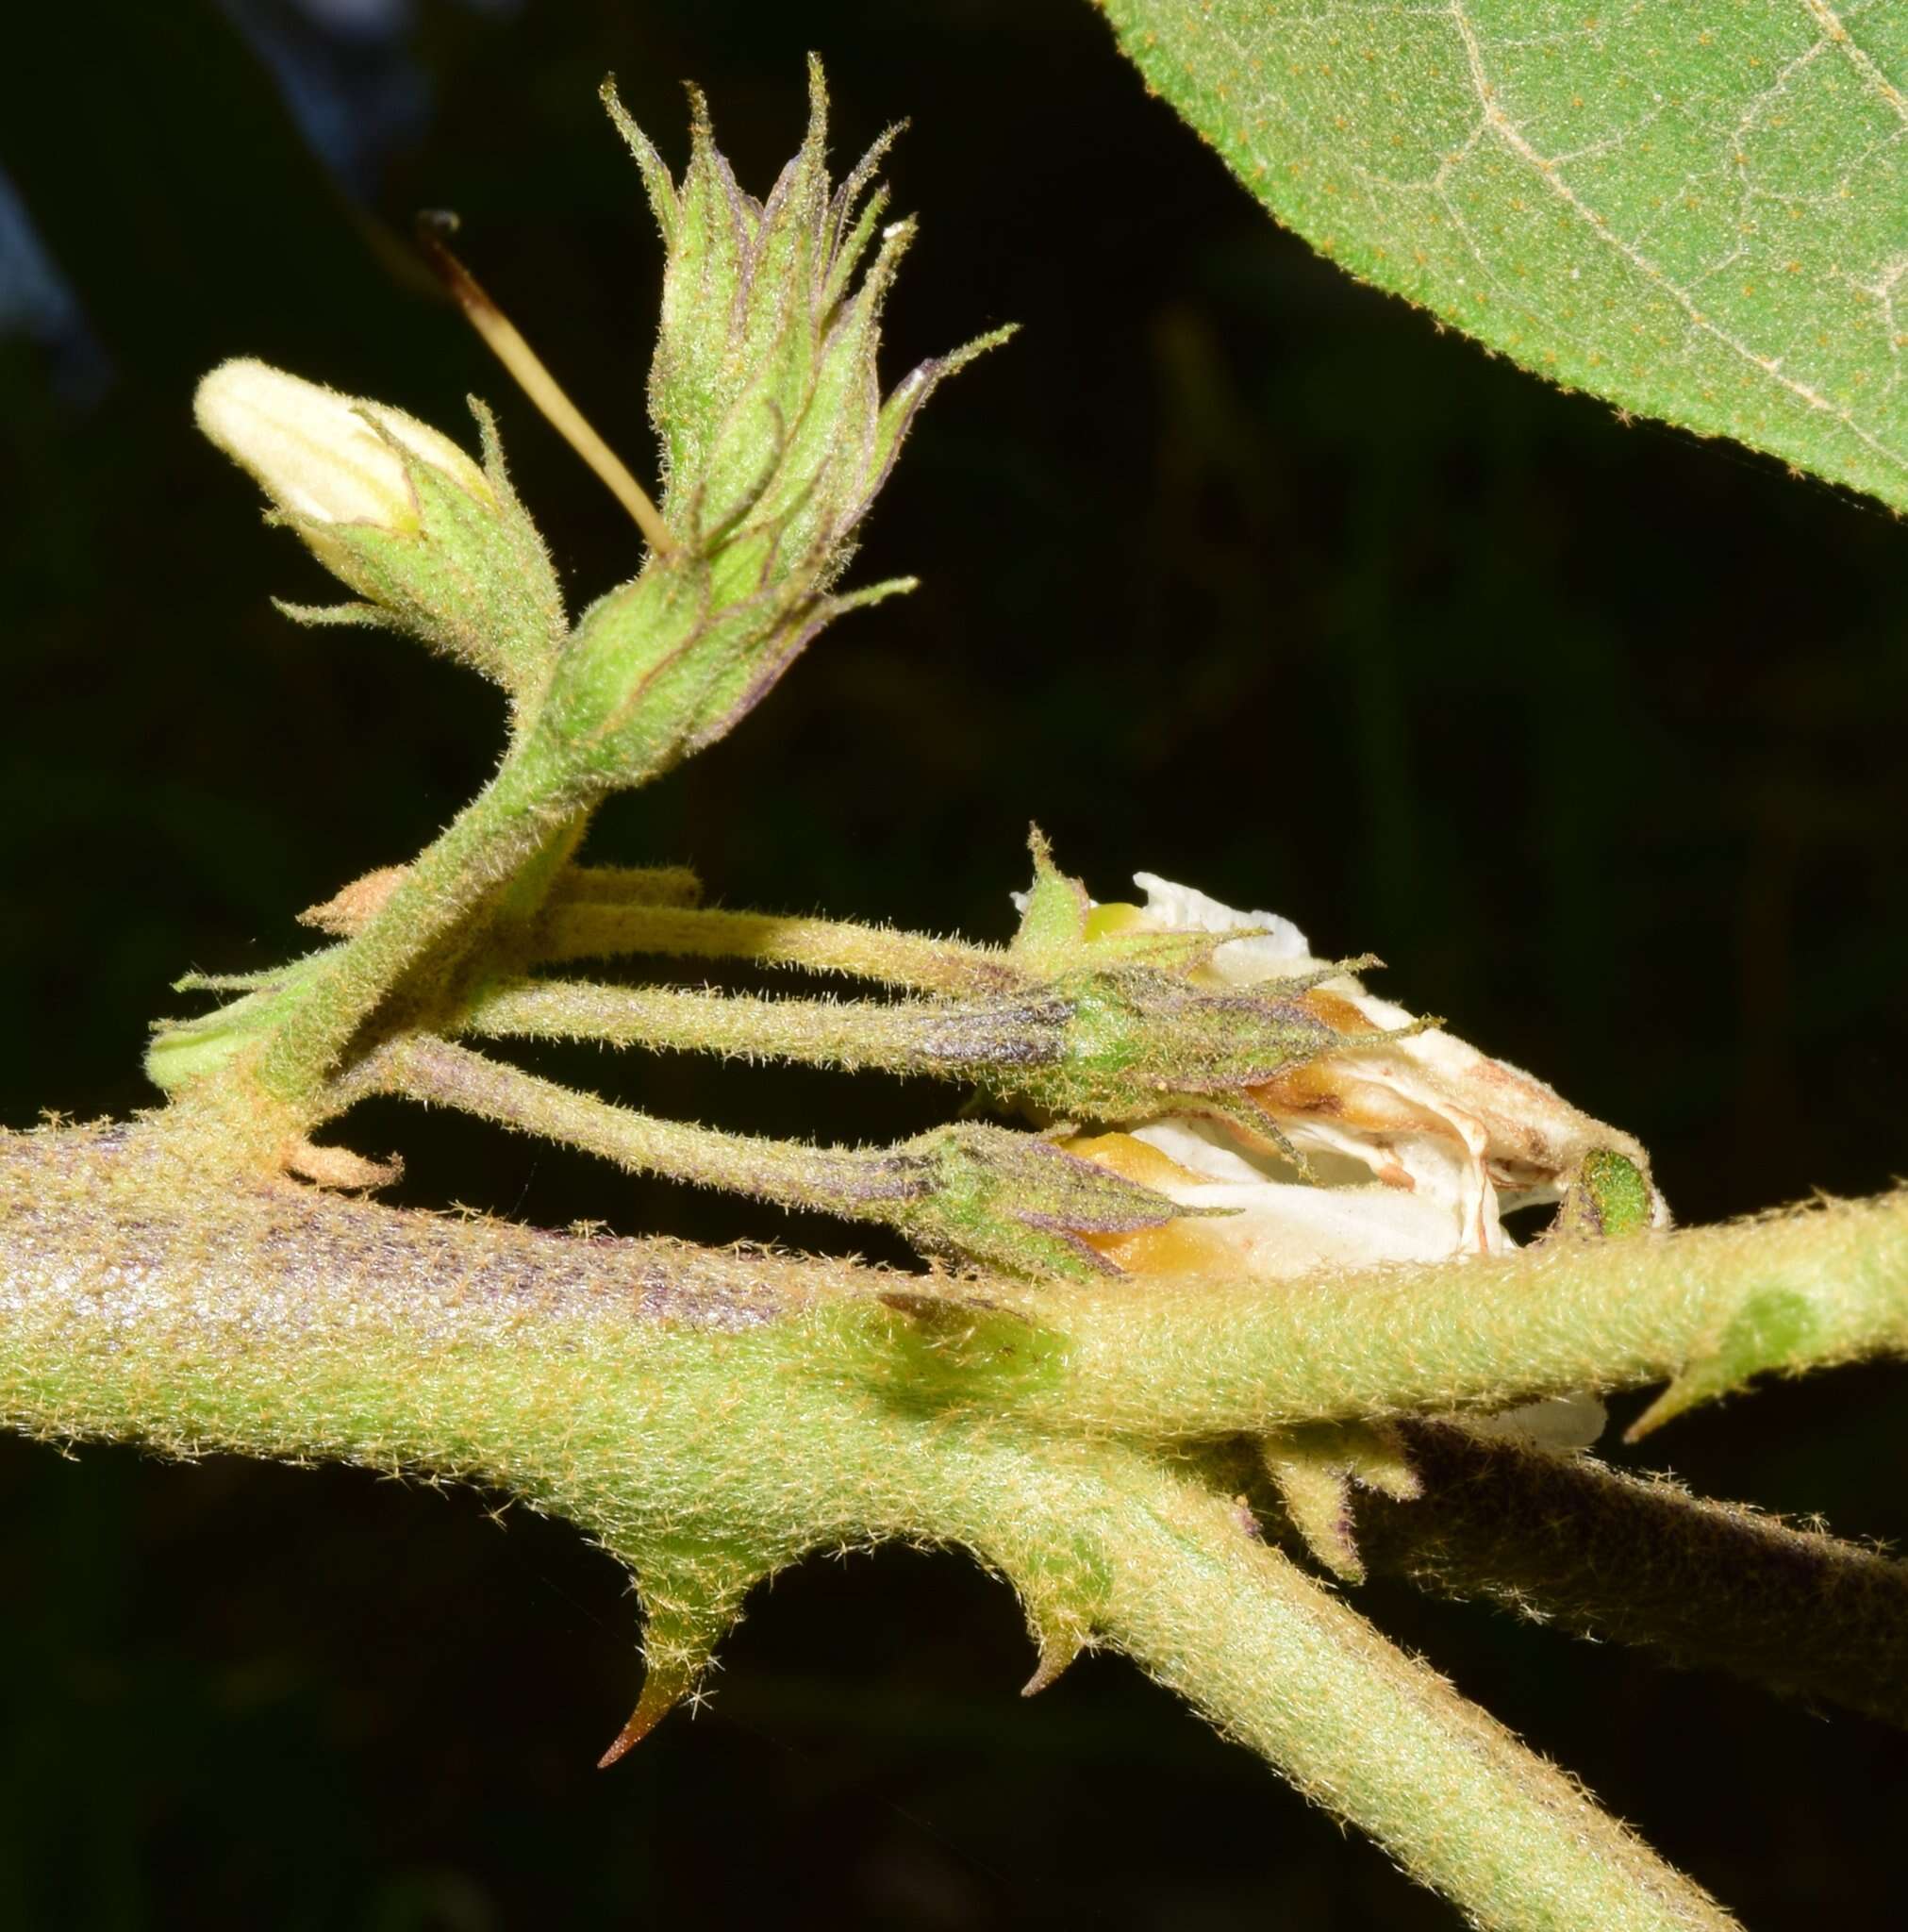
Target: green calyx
x=663 y=667
x=1137 y=1042
x=1015 y=1202
x=468 y=576
x=764 y=391
x=1140 y=1037
x=1610 y=1197
x=776 y=439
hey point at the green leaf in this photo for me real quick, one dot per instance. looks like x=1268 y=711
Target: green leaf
x=1696 y=208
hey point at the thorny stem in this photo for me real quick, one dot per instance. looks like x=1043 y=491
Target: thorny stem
x=1804 y=1290
x=659 y=1395
x=712 y=1417
x=1372 y=1734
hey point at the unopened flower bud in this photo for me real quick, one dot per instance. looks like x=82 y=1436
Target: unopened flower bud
x=1017 y=1201
x=775 y=439
x=436 y=543
x=324 y=458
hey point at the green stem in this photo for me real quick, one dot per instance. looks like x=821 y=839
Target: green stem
x=528 y=807
x=948 y=1040
x=671 y=1401
x=863 y=1184
x=1707 y=1305
x=628 y=885
x=976 y=1192
x=1367 y=1732
x=586 y=932
x=522 y=898
x=1637 y=1559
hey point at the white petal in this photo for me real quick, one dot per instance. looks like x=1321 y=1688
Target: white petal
x=1283 y=950
x=1204 y=1147
x=319 y=456
x=1519 y=1127
x=1284 y=1229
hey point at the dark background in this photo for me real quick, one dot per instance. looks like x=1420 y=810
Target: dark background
x=1234 y=571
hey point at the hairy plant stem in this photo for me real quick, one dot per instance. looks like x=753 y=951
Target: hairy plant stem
x=1369 y=1733
x=946 y=1039
x=975 y=1192
x=1484 y=1333
x=668 y=1399
x=502 y=844
x=1568 y=1540
x=838 y=1180
x=582 y=930
x=627 y=884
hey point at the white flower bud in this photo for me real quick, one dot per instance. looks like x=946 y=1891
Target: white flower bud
x=324 y=457
x=436 y=543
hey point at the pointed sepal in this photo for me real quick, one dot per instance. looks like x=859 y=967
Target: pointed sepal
x=1140 y=1044
x=775 y=440
x=1053 y=915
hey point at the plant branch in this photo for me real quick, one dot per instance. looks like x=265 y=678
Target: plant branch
x=529 y=807
x=1287 y=1669
x=977 y=1193
x=792 y=1174
x=674 y=1402
x=939 y=1037
x=1705 y=1308
x=581 y=930
x=627 y=884
x=1569 y=1541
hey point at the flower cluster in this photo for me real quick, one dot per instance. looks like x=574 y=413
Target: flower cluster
x=776 y=437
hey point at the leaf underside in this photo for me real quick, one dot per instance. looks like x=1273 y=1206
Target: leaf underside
x=1697 y=208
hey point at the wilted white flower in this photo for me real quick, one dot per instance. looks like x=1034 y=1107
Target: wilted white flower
x=1417 y=1145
